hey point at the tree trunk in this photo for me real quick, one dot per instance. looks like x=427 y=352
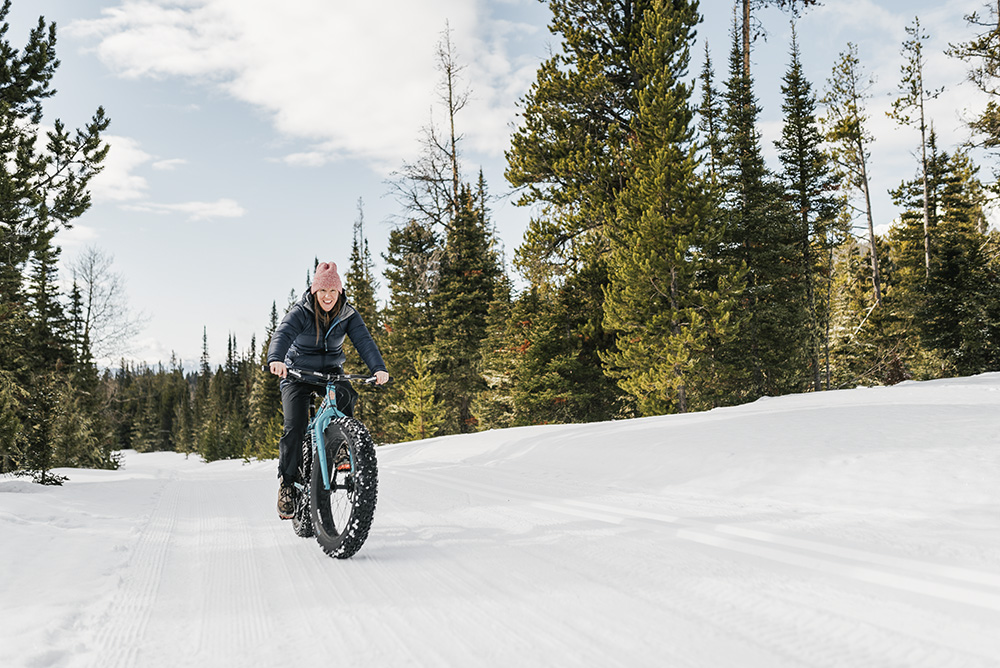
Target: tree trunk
x=927 y=206
x=876 y=280
x=746 y=38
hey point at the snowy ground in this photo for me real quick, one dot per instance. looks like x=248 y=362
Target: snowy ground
x=851 y=528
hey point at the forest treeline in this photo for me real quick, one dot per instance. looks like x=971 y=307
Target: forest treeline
x=666 y=268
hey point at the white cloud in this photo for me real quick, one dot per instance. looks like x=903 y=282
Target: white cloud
x=75 y=237
x=338 y=74
x=117 y=182
x=221 y=208
x=307 y=159
x=169 y=164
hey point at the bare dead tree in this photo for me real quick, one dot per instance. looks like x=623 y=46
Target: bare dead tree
x=108 y=322
x=428 y=188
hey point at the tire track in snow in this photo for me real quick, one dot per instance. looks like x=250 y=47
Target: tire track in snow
x=494 y=585
x=123 y=624
x=802 y=630
x=381 y=592
x=569 y=614
x=950 y=583
x=829 y=627
x=233 y=615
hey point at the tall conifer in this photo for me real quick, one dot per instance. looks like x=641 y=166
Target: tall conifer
x=811 y=185
x=568 y=157
x=468 y=275
x=412 y=259
x=660 y=301
x=770 y=355
x=361 y=284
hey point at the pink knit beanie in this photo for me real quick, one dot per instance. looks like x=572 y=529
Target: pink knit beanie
x=326 y=278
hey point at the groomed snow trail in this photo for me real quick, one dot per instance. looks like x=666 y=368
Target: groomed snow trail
x=852 y=528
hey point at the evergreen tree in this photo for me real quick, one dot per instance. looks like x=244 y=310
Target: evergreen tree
x=659 y=302
x=982 y=52
x=42 y=187
x=49 y=342
x=710 y=118
x=493 y=407
x=426 y=413
x=412 y=262
x=811 y=185
x=48 y=359
x=265 y=422
x=913 y=98
x=954 y=310
x=845 y=126
x=182 y=423
x=555 y=338
x=11 y=429
x=468 y=274
x=770 y=356
x=576 y=120
x=568 y=156
x=361 y=285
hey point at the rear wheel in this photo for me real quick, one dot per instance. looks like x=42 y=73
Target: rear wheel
x=302 y=518
x=342 y=515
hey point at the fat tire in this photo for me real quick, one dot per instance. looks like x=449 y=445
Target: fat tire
x=302 y=518
x=359 y=488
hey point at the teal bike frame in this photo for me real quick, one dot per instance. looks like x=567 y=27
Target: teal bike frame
x=326 y=412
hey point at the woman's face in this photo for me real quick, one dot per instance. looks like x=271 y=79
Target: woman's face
x=326 y=298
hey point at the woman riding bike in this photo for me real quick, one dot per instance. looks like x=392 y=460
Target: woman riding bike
x=311 y=337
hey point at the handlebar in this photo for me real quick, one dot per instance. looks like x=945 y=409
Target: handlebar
x=320 y=378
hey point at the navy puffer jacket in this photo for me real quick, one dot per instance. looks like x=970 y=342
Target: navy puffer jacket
x=294 y=341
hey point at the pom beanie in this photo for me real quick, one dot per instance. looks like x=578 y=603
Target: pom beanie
x=326 y=278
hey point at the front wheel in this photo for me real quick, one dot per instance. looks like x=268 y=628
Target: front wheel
x=302 y=517
x=342 y=515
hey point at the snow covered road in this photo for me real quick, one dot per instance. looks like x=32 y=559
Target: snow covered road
x=852 y=528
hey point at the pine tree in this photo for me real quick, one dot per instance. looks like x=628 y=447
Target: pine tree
x=361 y=285
x=43 y=185
x=265 y=421
x=493 y=407
x=412 y=262
x=954 y=311
x=426 y=414
x=556 y=339
x=770 y=356
x=846 y=128
x=575 y=121
x=468 y=274
x=11 y=428
x=811 y=184
x=568 y=158
x=665 y=314
x=710 y=118
x=43 y=188
x=48 y=359
x=182 y=423
x=982 y=52
x=202 y=407
x=913 y=98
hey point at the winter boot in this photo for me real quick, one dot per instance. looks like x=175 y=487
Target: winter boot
x=342 y=462
x=286 y=500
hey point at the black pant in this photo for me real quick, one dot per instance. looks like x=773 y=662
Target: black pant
x=295 y=397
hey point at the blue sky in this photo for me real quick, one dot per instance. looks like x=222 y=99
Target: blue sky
x=244 y=132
